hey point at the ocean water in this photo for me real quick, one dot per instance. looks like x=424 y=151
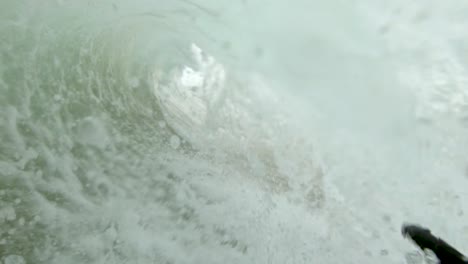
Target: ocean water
x=243 y=131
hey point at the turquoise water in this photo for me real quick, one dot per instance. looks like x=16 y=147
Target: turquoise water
x=230 y=132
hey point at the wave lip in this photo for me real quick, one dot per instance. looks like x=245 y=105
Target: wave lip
x=187 y=99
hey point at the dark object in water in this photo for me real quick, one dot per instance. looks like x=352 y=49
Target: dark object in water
x=425 y=240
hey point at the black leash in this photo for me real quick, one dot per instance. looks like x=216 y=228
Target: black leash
x=426 y=240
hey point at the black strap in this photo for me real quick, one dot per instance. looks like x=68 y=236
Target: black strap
x=425 y=240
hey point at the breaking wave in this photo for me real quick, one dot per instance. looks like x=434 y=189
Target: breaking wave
x=241 y=132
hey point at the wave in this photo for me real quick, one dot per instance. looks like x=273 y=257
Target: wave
x=176 y=132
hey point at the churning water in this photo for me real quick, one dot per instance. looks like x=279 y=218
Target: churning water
x=242 y=131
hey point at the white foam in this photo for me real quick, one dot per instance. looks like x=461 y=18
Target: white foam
x=92 y=131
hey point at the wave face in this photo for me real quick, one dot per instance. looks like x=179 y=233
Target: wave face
x=202 y=131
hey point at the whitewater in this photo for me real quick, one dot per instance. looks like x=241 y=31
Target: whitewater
x=243 y=131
